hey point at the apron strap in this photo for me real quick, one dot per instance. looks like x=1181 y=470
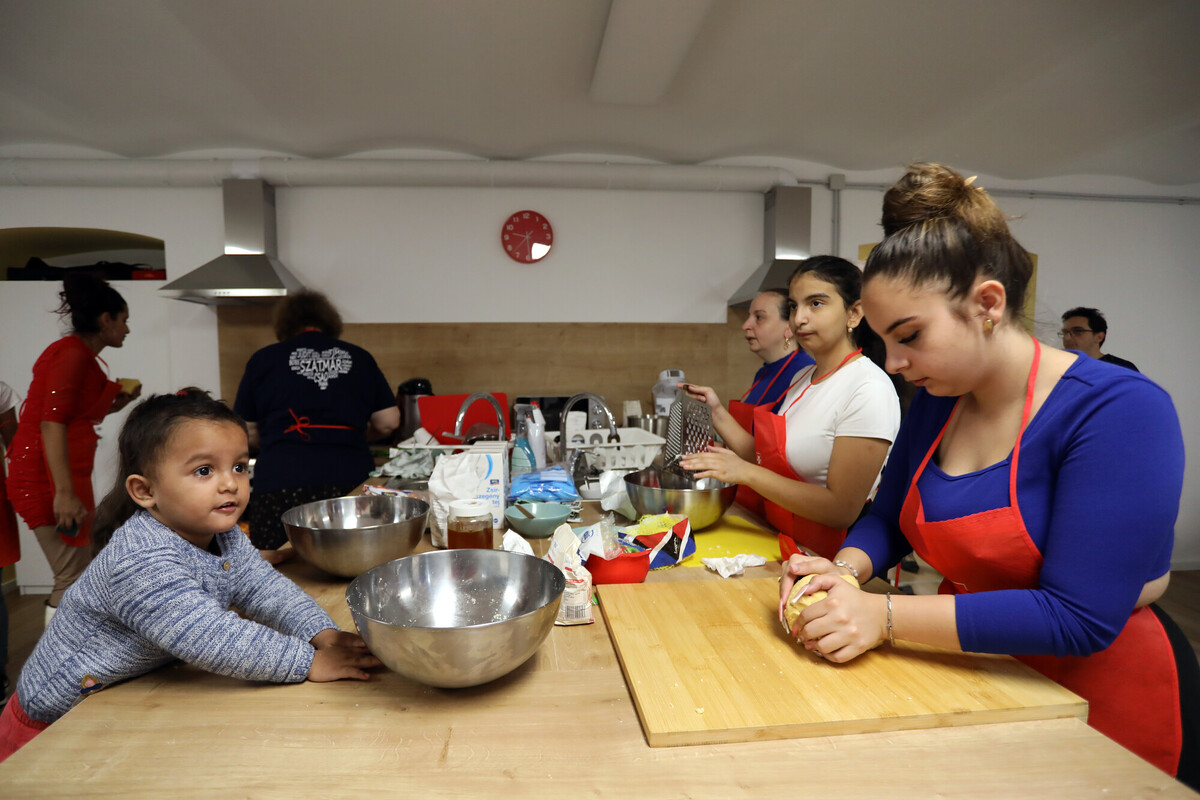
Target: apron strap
x=774 y=377
x=815 y=381
x=301 y=425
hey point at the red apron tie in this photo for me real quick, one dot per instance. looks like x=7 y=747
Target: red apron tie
x=302 y=424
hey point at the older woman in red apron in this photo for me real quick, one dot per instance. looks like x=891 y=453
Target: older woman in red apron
x=768 y=331
x=994 y=481
x=817 y=461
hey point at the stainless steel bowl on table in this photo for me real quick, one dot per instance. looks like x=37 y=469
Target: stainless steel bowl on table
x=655 y=491
x=455 y=618
x=349 y=535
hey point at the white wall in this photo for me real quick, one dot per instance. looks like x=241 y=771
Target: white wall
x=434 y=255
x=429 y=255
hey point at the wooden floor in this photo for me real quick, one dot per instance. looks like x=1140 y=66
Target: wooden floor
x=26 y=613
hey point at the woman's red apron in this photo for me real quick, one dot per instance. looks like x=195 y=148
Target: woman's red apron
x=743 y=413
x=770 y=448
x=1131 y=687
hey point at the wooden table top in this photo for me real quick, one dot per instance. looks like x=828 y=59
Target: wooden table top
x=563 y=724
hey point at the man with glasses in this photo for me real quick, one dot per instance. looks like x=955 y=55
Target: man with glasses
x=1085 y=329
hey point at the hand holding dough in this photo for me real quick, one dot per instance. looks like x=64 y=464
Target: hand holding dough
x=797 y=603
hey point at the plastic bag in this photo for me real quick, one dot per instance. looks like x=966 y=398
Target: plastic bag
x=549 y=485
x=600 y=539
x=667 y=536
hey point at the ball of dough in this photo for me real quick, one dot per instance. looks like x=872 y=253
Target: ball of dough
x=129 y=385
x=797 y=603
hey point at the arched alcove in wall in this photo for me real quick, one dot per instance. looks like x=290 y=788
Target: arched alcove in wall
x=46 y=253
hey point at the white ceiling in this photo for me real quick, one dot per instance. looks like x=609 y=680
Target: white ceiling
x=1017 y=89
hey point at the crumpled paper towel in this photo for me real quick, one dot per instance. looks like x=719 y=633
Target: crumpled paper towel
x=613 y=496
x=515 y=543
x=734 y=565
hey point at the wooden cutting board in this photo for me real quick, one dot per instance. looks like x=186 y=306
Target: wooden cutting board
x=708 y=661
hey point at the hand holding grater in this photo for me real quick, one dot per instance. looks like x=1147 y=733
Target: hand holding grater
x=689 y=430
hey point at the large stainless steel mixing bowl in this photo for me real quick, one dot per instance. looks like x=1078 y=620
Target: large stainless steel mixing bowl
x=454 y=618
x=653 y=491
x=349 y=535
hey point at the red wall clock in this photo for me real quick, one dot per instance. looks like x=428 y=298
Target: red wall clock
x=526 y=236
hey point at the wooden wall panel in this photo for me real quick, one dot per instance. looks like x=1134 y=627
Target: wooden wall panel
x=620 y=361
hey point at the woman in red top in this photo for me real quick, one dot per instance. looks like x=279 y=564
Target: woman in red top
x=50 y=463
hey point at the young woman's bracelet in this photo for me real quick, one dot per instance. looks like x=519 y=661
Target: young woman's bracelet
x=891 y=635
x=847 y=565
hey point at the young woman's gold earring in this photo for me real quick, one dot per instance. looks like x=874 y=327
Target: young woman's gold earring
x=988 y=325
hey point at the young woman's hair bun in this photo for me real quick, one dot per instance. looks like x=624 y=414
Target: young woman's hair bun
x=932 y=191
x=940 y=228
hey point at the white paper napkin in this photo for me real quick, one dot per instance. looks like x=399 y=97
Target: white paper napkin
x=734 y=565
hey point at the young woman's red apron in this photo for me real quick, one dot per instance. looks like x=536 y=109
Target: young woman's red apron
x=743 y=413
x=1132 y=687
x=770 y=449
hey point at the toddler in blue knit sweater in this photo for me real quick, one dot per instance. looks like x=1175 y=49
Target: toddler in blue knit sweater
x=162 y=587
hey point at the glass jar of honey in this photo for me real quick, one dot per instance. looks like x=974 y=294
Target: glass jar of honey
x=469 y=525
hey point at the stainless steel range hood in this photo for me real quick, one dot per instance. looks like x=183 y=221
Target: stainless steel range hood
x=249 y=271
x=787 y=240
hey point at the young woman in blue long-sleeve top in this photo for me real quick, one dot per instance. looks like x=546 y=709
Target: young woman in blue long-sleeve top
x=1042 y=485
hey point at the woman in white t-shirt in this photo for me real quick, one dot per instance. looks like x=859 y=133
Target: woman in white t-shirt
x=818 y=461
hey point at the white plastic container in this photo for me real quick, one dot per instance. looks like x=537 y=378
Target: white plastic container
x=664 y=390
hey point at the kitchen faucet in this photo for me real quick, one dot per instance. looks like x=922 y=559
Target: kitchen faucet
x=613 y=436
x=462 y=412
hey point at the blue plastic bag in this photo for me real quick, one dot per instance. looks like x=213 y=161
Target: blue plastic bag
x=549 y=485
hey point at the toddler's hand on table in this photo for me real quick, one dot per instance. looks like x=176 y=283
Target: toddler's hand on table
x=332 y=637
x=335 y=663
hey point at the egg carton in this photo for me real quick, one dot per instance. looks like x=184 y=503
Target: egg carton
x=637 y=449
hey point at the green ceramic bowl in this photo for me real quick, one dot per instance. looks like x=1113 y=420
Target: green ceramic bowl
x=546 y=517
